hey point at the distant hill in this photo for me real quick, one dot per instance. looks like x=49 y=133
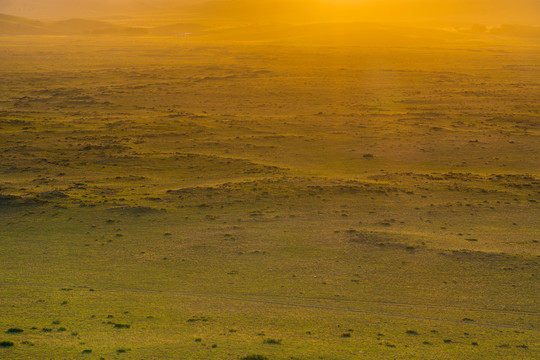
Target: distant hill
x=353 y=33
x=522 y=31
x=13 y=25
x=62 y=9
x=492 y=12
x=337 y=33
x=178 y=29
x=382 y=11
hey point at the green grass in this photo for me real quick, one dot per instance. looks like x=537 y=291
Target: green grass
x=148 y=212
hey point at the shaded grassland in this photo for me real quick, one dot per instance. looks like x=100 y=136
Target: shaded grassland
x=178 y=200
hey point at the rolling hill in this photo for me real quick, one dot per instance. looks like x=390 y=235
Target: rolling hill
x=13 y=25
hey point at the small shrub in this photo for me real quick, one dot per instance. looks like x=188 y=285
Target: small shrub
x=87 y=351
x=411 y=332
x=198 y=318
x=346 y=335
x=122 y=350
x=122 y=326
x=255 y=357
x=6 y=344
x=447 y=341
x=272 y=341
x=14 y=331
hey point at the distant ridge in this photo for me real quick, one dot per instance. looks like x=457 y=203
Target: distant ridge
x=14 y=25
x=338 y=33
x=491 y=12
x=178 y=29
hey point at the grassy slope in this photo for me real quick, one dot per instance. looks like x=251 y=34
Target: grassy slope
x=225 y=193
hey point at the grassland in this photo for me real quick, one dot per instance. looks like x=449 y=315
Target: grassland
x=165 y=198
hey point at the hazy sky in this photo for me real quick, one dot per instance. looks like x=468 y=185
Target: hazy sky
x=482 y=11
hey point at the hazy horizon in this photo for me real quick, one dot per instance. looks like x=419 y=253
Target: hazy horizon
x=490 y=12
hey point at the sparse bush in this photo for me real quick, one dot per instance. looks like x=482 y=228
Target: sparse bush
x=411 y=332
x=198 y=318
x=14 y=331
x=255 y=357
x=6 y=344
x=122 y=326
x=87 y=351
x=272 y=341
x=346 y=335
